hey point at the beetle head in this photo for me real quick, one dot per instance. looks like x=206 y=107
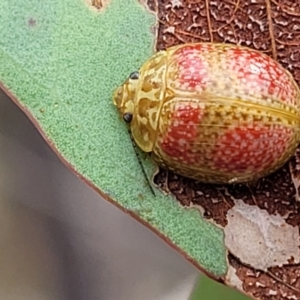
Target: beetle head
x=124 y=96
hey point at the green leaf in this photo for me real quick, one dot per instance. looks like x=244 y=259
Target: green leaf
x=211 y=290
x=60 y=62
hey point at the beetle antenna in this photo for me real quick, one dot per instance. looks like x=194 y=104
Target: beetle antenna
x=140 y=162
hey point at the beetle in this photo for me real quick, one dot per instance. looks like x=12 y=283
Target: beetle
x=217 y=113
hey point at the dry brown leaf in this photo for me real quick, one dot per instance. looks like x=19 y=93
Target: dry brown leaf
x=272 y=203
x=258 y=239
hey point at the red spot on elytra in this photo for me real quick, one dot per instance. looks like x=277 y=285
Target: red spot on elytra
x=250 y=148
x=261 y=74
x=182 y=132
x=192 y=70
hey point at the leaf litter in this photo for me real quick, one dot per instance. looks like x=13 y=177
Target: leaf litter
x=261 y=220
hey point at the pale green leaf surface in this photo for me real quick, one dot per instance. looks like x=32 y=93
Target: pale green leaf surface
x=62 y=60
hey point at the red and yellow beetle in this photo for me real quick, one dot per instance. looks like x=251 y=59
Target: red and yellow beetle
x=217 y=113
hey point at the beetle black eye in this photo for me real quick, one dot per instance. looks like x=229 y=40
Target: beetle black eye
x=127 y=117
x=134 y=75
